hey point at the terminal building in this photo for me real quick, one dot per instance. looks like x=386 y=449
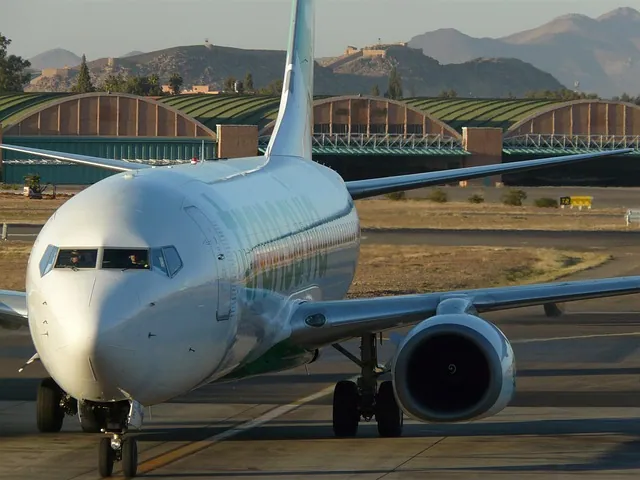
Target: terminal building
x=358 y=136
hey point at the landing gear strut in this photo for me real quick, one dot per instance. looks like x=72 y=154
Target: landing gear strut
x=116 y=446
x=363 y=399
x=118 y=449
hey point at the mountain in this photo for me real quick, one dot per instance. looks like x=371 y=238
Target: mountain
x=132 y=54
x=422 y=76
x=56 y=58
x=603 y=54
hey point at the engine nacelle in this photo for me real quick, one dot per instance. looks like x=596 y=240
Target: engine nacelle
x=452 y=368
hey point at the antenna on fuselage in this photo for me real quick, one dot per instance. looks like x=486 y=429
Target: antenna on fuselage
x=294 y=126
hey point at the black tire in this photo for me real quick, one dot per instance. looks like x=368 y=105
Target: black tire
x=346 y=410
x=49 y=413
x=389 y=415
x=106 y=458
x=130 y=457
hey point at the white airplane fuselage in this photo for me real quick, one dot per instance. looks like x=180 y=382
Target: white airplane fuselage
x=251 y=235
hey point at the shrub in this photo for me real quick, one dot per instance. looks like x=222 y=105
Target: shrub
x=476 y=198
x=546 y=202
x=397 y=196
x=514 y=197
x=438 y=196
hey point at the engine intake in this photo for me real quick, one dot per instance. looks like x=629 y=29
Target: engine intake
x=454 y=368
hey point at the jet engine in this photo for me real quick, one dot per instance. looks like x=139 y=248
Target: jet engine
x=452 y=368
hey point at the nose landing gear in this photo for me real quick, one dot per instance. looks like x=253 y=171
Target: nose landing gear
x=118 y=449
x=116 y=446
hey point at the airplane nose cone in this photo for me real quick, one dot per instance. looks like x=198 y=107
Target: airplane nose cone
x=92 y=351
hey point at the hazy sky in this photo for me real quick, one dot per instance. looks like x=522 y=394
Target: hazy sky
x=101 y=28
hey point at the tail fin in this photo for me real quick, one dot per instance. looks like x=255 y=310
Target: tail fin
x=294 y=126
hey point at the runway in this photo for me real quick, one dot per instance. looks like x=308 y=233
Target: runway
x=576 y=412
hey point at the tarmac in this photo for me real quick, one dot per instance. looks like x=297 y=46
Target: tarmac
x=576 y=411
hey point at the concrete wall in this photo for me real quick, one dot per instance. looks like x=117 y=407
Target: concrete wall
x=485 y=146
x=236 y=141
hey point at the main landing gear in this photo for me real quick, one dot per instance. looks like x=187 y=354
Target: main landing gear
x=52 y=406
x=363 y=399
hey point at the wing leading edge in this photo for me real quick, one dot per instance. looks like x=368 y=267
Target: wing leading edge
x=378 y=186
x=13 y=309
x=315 y=324
x=117 y=165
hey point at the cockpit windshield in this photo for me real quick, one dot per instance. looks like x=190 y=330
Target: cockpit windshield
x=125 y=258
x=77 y=258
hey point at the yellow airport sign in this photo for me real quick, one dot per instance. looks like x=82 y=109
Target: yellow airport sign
x=576 y=201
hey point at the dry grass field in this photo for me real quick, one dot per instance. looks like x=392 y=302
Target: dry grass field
x=457 y=215
x=400 y=214
x=395 y=270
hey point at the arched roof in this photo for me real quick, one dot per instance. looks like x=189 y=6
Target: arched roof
x=411 y=116
x=105 y=114
x=13 y=105
x=582 y=117
x=479 y=112
x=223 y=109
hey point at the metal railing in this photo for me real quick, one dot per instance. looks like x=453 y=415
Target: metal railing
x=378 y=141
x=574 y=142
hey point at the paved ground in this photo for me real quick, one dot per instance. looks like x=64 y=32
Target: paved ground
x=576 y=413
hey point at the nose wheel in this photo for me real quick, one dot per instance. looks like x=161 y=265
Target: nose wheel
x=118 y=449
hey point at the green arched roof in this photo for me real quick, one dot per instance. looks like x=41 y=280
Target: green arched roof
x=17 y=104
x=260 y=110
x=227 y=109
x=479 y=112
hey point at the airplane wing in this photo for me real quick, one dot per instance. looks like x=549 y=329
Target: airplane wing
x=315 y=324
x=378 y=186
x=13 y=309
x=117 y=165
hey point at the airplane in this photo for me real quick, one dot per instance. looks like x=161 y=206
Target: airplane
x=158 y=280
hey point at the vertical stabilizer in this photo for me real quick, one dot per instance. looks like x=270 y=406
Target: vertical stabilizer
x=294 y=126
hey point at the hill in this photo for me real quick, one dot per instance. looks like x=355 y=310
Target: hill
x=211 y=65
x=603 y=54
x=56 y=58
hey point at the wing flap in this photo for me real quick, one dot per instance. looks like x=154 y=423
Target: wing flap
x=13 y=310
x=378 y=186
x=315 y=324
x=117 y=165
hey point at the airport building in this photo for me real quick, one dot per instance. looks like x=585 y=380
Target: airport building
x=359 y=136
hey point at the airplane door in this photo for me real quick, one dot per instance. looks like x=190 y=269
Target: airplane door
x=225 y=280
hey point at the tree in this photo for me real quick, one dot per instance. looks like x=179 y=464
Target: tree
x=175 y=83
x=394 y=91
x=83 y=84
x=155 y=89
x=375 y=91
x=248 y=83
x=229 y=85
x=13 y=77
x=115 y=84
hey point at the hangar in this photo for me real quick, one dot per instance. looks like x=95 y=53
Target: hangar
x=359 y=136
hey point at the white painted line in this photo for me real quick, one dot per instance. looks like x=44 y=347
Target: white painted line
x=576 y=337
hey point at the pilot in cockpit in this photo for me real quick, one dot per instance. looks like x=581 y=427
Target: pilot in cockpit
x=136 y=262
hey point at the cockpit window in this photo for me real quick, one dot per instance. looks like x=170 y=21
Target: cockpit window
x=174 y=262
x=77 y=258
x=157 y=260
x=125 y=258
x=46 y=263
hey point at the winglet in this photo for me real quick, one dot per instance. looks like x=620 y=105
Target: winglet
x=294 y=126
